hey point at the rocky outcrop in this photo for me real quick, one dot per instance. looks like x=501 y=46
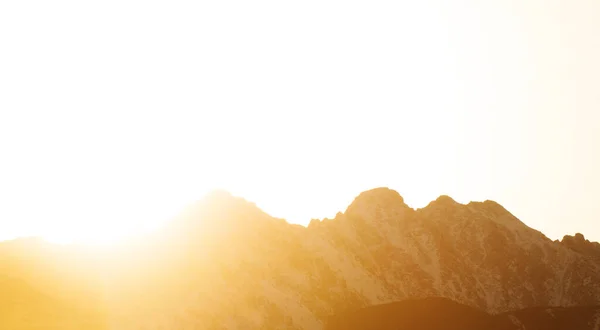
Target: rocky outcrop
x=579 y=244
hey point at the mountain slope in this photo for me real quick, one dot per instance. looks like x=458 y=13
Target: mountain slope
x=441 y=313
x=261 y=272
x=43 y=286
x=224 y=263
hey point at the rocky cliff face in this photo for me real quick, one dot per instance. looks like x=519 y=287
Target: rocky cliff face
x=226 y=264
x=247 y=270
x=579 y=244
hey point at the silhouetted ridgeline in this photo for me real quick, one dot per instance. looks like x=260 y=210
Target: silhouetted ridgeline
x=224 y=263
x=578 y=243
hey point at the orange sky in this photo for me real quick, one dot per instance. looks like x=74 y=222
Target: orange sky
x=114 y=115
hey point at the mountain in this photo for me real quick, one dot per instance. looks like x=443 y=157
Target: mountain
x=578 y=243
x=440 y=313
x=224 y=263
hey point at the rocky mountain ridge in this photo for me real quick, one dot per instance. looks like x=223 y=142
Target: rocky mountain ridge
x=225 y=264
x=578 y=243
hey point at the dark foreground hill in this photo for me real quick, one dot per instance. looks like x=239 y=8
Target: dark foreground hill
x=441 y=313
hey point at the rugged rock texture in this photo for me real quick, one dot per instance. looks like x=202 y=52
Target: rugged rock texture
x=261 y=272
x=441 y=313
x=223 y=263
x=578 y=243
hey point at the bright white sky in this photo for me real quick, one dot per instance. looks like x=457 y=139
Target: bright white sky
x=115 y=114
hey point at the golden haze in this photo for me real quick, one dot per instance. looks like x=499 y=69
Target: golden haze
x=113 y=116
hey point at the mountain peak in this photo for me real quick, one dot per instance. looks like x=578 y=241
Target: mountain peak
x=217 y=211
x=224 y=254
x=579 y=243
x=218 y=194
x=380 y=193
x=375 y=200
x=444 y=200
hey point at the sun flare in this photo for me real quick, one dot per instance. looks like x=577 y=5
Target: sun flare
x=109 y=129
x=304 y=165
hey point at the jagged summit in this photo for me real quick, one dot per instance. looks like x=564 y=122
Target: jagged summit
x=381 y=202
x=579 y=243
x=377 y=196
x=224 y=263
x=219 y=204
x=380 y=193
x=443 y=200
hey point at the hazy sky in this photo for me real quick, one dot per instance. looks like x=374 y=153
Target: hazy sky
x=114 y=114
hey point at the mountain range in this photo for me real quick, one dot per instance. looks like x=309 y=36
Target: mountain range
x=225 y=264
